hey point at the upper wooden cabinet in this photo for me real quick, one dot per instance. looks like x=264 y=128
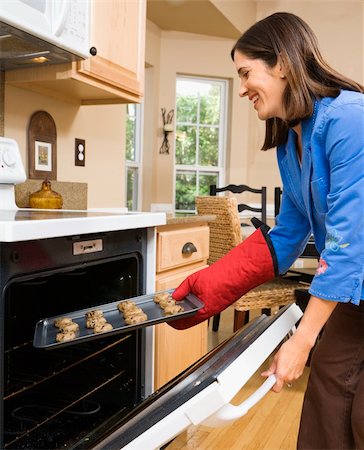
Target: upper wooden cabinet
x=114 y=75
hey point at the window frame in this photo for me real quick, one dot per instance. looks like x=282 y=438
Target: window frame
x=222 y=144
x=136 y=165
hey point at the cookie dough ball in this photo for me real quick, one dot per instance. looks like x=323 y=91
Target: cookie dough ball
x=126 y=305
x=73 y=326
x=66 y=336
x=101 y=328
x=94 y=314
x=161 y=297
x=167 y=302
x=173 y=309
x=62 y=321
x=93 y=321
x=133 y=311
x=136 y=318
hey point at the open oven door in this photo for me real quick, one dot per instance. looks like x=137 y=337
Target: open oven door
x=202 y=393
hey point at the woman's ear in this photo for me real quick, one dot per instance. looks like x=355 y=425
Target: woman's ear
x=280 y=66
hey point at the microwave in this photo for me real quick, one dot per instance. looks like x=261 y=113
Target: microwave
x=34 y=32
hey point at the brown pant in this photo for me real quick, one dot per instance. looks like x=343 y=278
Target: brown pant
x=333 y=409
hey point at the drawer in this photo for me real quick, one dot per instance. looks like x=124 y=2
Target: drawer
x=177 y=248
x=173 y=278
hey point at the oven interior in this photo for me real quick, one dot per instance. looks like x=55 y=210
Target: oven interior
x=69 y=396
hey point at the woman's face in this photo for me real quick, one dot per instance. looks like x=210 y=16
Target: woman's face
x=263 y=85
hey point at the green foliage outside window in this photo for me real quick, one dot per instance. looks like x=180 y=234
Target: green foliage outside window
x=132 y=156
x=186 y=144
x=130 y=189
x=186 y=188
x=130 y=134
x=198 y=135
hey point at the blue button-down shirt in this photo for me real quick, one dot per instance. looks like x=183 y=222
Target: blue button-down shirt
x=324 y=196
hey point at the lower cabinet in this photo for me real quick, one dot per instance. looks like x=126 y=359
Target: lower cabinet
x=181 y=250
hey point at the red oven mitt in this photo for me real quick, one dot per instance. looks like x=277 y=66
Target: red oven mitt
x=245 y=267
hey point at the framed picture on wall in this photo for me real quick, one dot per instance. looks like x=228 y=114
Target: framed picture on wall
x=43 y=156
x=42 y=146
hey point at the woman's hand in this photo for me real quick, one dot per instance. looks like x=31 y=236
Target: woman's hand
x=289 y=362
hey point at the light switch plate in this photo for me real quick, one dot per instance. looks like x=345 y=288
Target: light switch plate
x=80 y=152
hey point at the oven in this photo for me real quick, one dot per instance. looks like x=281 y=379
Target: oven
x=96 y=392
x=69 y=395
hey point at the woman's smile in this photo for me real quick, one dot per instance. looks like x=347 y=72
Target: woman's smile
x=264 y=86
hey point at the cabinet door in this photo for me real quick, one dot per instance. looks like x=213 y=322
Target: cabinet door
x=175 y=350
x=118 y=33
x=114 y=75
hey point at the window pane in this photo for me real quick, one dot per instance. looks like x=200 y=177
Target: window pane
x=199 y=138
x=130 y=189
x=205 y=181
x=185 y=145
x=210 y=106
x=185 y=191
x=187 y=101
x=130 y=152
x=209 y=146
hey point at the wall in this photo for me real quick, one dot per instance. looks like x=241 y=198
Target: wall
x=101 y=126
x=339 y=27
x=151 y=114
x=184 y=53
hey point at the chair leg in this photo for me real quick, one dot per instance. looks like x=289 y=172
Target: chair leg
x=216 y=322
x=240 y=318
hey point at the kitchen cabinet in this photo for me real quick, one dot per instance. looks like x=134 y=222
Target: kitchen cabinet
x=114 y=75
x=181 y=250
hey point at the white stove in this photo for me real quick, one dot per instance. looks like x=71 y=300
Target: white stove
x=26 y=224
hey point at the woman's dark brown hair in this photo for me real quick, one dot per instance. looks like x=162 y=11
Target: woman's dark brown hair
x=286 y=37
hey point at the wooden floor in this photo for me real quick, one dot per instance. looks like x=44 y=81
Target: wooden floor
x=271 y=425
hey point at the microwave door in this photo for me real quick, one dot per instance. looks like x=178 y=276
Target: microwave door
x=202 y=394
x=32 y=16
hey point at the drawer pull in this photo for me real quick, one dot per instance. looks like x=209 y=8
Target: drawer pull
x=188 y=249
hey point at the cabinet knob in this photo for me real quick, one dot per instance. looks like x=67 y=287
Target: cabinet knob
x=188 y=248
x=93 y=51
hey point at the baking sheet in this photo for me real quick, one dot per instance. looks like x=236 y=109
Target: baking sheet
x=45 y=330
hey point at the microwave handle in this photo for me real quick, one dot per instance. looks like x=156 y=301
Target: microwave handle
x=228 y=413
x=60 y=22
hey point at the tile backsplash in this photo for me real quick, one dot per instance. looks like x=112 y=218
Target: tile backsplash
x=74 y=194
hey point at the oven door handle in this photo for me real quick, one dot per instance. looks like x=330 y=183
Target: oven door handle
x=228 y=413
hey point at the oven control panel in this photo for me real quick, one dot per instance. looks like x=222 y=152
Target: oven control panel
x=11 y=166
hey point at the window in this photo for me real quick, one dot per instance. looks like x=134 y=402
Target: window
x=133 y=156
x=200 y=138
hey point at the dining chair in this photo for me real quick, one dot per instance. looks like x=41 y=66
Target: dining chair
x=239 y=189
x=261 y=208
x=225 y=234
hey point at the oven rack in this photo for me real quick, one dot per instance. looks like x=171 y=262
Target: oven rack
x=53 y=364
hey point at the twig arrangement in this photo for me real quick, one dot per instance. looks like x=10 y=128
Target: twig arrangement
x=167 y=128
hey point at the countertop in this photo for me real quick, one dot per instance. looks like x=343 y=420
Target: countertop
x=27 y=224
x=189 y=219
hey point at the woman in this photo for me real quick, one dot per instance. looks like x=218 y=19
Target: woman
x=315 y=118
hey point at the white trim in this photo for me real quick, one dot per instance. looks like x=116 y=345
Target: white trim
x=219 y=170
x=137 y=164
